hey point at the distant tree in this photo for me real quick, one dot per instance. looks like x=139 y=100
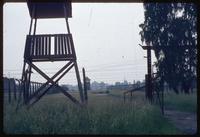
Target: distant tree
x=172 y=24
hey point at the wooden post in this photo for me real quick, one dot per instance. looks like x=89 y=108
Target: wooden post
x=28 y=88
x=79 y=82
x=9 y=91
x=146 y=86
x=15 y=96
x=85 y=86
x=131 y=95
x=19 y=88
x=124 y=97
x=34 y=87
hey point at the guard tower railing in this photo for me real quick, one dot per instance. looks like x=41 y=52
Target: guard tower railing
x=50 y=47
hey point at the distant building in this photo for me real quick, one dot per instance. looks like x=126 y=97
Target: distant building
x=125 y=85
x=98 y=86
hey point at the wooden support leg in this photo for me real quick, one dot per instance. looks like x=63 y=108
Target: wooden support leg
x=28 y=89
x=22 y=86
x=79 y=82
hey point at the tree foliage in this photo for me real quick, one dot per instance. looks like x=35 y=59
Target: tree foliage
x=172 y=24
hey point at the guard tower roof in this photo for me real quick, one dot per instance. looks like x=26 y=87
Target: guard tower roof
x=49 y=9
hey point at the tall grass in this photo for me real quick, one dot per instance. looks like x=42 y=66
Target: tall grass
x=181 y=102
x=54 y=114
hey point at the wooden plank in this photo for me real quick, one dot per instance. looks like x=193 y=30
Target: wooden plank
x=35 y=44
x=40 y=45
x=49 y=45
x=72 y=46
x=29 y=47
x=64 y=48
x=55 y=45
x=32 y=46
x=59 y=46
x=36 y=40
x=65 y=44
x=62 y=43
x=68 y=45
x=43 y=45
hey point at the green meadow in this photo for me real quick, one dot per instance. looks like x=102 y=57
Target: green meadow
x=104 y=114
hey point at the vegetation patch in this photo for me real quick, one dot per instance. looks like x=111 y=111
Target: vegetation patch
x=181 y=102
x=103 y=115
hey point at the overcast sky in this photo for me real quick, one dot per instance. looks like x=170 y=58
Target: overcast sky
x=106 y=38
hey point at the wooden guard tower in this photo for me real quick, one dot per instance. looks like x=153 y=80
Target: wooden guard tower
x=38 y=49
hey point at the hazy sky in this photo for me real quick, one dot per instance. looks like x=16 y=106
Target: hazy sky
x=106 y=38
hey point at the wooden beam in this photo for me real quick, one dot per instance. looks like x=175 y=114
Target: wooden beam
x=62 y=90
x=45 y=84
x=79 y=82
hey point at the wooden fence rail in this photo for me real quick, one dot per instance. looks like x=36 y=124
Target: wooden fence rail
x=12 y=87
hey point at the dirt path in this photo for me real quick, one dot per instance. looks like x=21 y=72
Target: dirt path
x=184 y=121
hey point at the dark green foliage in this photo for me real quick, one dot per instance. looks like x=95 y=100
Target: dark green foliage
x=172 y=24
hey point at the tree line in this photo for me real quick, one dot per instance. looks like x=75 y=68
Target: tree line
x=175 y=25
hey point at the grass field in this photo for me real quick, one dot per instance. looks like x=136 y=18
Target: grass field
x=181 y=102
x=105 y=114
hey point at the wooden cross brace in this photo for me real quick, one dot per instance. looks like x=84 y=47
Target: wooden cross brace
x=64 y=69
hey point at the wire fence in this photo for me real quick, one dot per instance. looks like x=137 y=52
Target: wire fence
x=13 y=88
